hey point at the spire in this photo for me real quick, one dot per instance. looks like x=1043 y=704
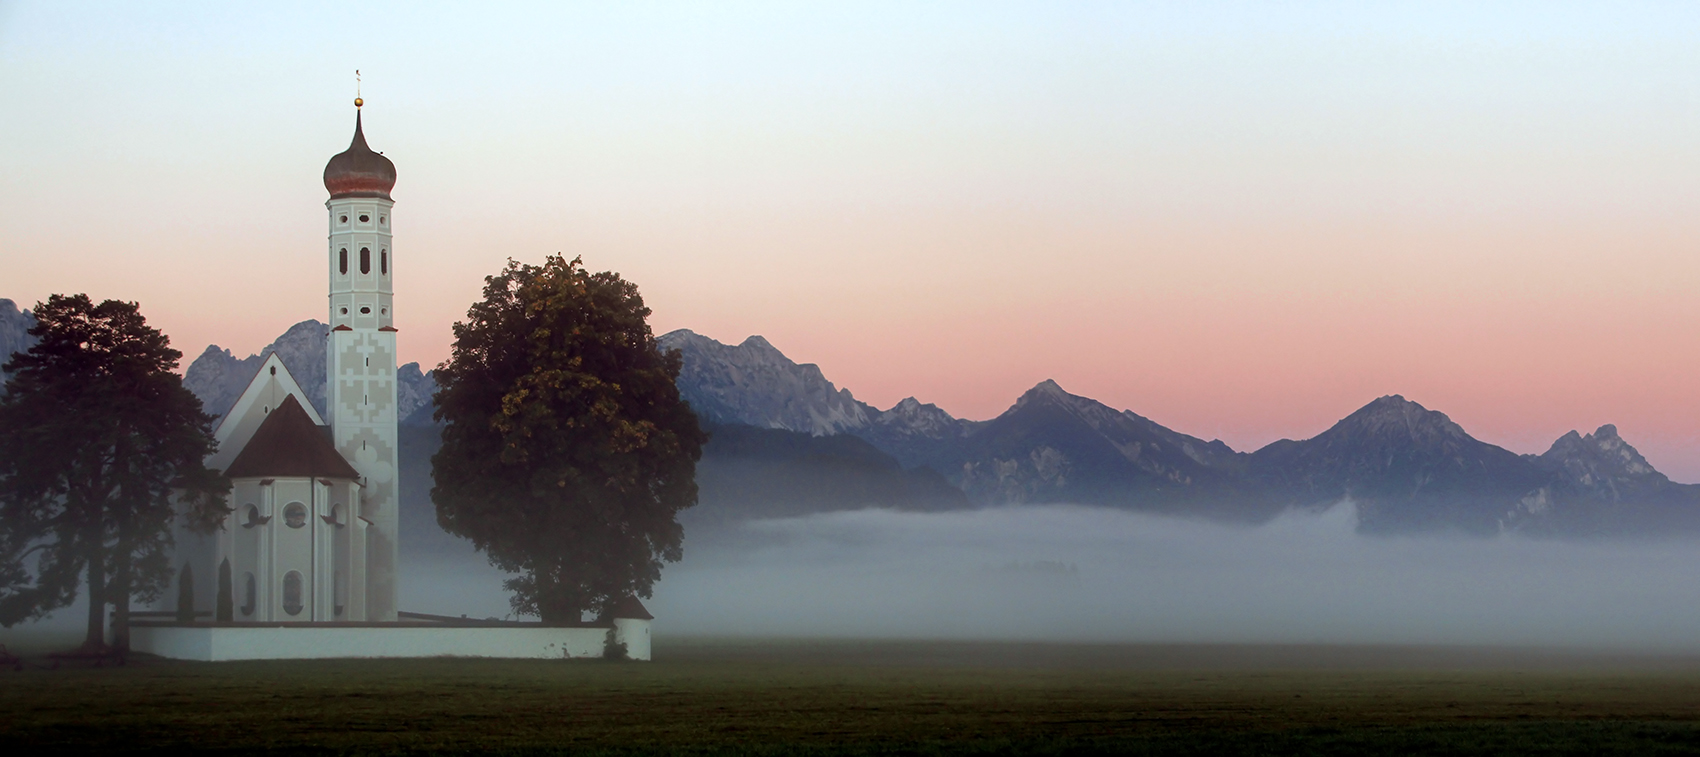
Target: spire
x=358 y=171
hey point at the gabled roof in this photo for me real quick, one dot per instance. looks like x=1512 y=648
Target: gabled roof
x=270 y=384
x=629 y=608
x=288 y=443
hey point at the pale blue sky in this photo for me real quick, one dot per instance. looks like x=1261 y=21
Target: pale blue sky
x=1241 y=219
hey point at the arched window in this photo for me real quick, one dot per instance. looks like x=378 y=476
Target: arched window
x=342 y=261
x=250 y=594
x=295 y=515
x=365 y=260
x=384 y=262
x=292 y=593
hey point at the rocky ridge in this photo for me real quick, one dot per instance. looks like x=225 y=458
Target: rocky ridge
x=218 y=377
x=1408 y=468
x=14 y=333
x=755 y=384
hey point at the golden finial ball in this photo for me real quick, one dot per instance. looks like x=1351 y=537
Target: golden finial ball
x=358 y=102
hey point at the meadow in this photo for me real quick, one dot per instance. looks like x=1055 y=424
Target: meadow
x=743 y=696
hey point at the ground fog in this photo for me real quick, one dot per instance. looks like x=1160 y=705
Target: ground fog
x=1090 y=574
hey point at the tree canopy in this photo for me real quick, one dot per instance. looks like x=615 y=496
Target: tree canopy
x=98 y=439
x=567 y=452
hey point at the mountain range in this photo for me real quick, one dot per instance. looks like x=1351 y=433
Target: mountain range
x=786 y=441
x=218 y=377
x=1406 y=467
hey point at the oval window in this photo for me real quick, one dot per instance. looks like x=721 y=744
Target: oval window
x=364 y=219
x=295 y=515
x=381 y=220
x=345 y=219
x=342 y=261
x=365 y=260
x=250 y=592
x=292 y=593
x=365 y=311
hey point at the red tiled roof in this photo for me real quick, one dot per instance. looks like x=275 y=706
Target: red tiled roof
x=288 y=443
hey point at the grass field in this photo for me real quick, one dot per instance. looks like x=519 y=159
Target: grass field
x=708 y=696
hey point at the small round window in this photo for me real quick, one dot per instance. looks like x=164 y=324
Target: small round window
x=292 y=593
x=345 y=311
x=344 y=219
x=295 y=515
x=381 y=220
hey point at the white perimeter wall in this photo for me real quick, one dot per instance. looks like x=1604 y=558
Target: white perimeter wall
x=217 y=644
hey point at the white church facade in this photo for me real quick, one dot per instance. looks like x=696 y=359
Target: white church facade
x=306 y=561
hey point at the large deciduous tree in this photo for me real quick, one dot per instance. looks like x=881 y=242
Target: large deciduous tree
x=567 y=452
x=98 y=441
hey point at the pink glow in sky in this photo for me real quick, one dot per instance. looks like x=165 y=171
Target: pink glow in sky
x=1241 y=221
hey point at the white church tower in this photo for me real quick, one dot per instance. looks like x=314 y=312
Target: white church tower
x=361 y=360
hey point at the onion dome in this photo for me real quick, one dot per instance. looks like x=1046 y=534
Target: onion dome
x=359 y=172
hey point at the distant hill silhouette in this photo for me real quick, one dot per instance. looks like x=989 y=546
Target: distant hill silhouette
x=1407 y=468
x=787 y=441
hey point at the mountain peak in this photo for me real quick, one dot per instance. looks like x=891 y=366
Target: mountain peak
x=911 y=418
x=755 y=384
x=1601 y=460
x=1395 y=416
x=1048 y=389
x=758 y=342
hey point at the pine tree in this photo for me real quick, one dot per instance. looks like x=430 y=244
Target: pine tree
x=99 y=446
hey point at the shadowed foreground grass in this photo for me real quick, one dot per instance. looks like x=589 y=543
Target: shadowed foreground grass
x=745 y=697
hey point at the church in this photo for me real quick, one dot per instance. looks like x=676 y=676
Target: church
x=306 y=561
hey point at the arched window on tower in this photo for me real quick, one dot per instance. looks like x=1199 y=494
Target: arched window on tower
x=365 y=260
x=384 y=262
x=342 y=261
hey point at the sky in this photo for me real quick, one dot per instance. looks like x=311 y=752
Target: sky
x=1242 y=220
